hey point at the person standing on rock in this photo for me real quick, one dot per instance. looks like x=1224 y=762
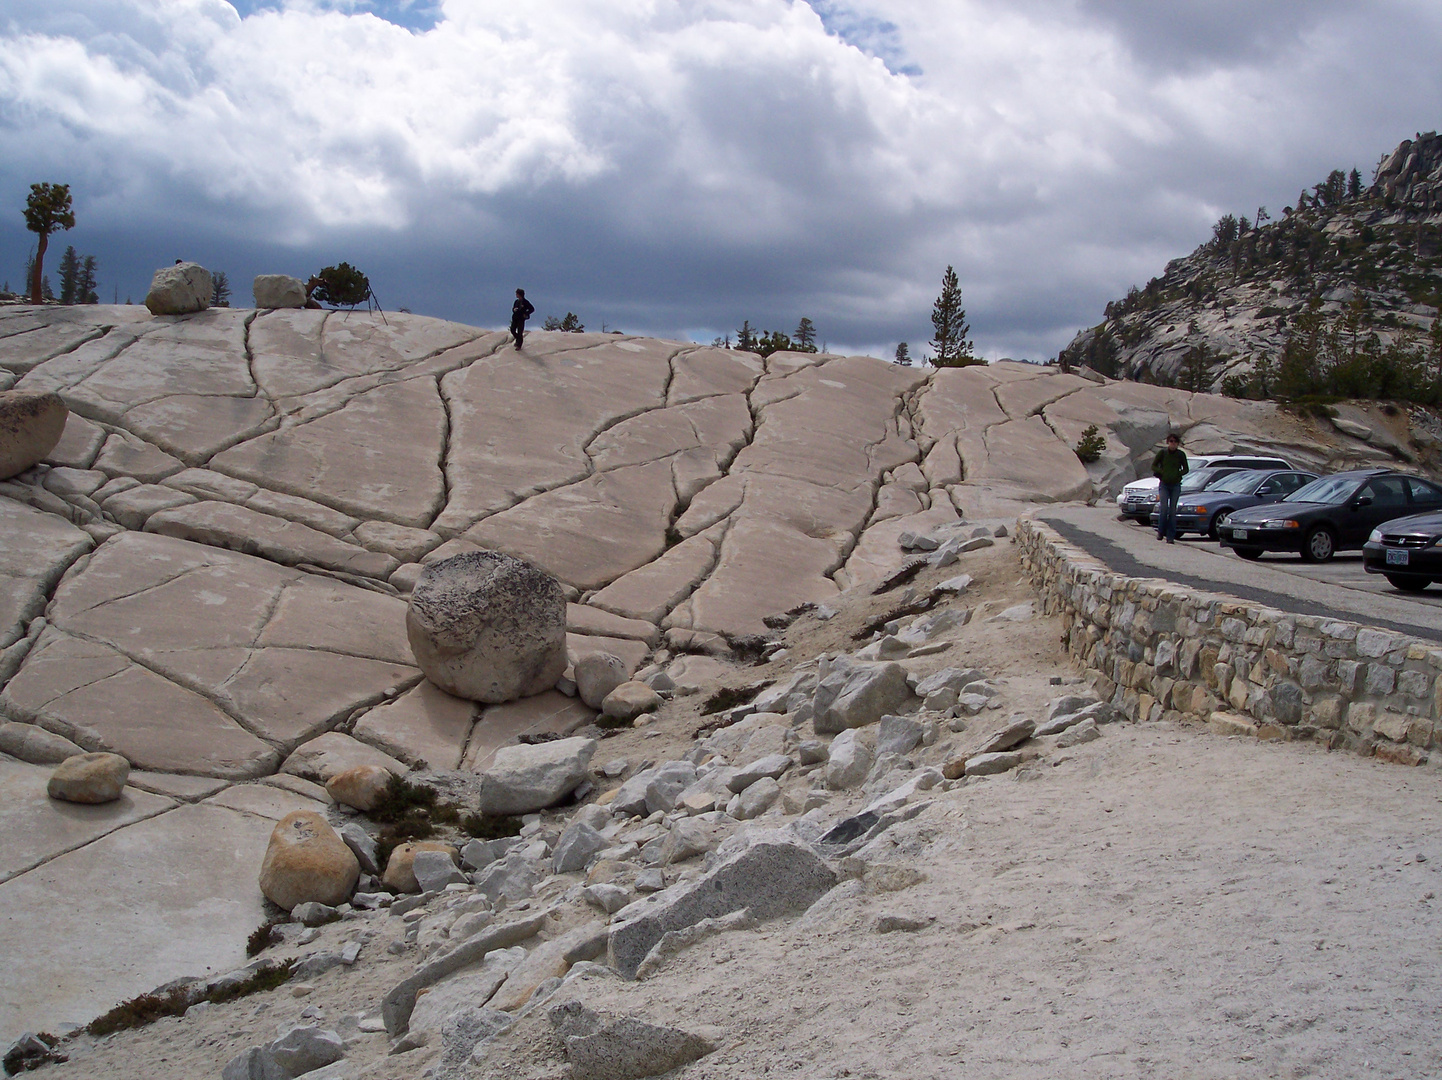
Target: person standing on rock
x=1169 y=466
x=521 y=310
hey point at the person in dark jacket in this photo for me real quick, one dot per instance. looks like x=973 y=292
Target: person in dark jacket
x=521 y=310
x=1169 y=466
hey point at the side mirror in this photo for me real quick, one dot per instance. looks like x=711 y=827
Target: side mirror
x=1361 y=501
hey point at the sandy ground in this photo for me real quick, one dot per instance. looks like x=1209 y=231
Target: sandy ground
x=1162 y=902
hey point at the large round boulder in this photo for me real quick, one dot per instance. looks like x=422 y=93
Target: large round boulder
x=307 y=860
x=180 y=289
x=31 y=423
x=89 y=778
x=488 y=627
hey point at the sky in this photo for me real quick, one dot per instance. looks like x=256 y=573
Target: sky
x=674 y=167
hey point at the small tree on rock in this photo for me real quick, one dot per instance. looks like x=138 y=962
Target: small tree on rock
x=47 y=209
x=1091 y=445
x=220 y=290
x=805 y=336
x=903 y=355
x=950 y=347
x=746 y=337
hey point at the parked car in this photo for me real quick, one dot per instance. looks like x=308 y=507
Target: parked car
x=1332 y=513
x=1406 y=550
x=1139 y=498
x=1202 y=511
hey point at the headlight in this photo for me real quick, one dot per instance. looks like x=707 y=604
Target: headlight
x=1195 y=509
x=1279 y=525
x=1375 y=537
x=1153 y=497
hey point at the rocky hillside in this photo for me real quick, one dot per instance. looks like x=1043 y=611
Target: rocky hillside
x=1371 y=256
x=208 y=574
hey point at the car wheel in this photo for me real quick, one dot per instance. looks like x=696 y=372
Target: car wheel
x=1218 y=520
x=1408 y=582
x=1319 y=545
x=1248 y=552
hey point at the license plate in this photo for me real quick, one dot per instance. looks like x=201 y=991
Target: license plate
x=1397 y=558
x=1239 y=534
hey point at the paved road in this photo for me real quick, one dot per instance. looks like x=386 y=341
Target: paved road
x=1337 y=589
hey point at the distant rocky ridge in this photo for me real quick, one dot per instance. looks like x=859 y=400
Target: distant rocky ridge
x=1374 y=249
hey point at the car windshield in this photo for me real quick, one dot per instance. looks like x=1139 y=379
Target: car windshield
x=1204 y=477
x=1238 y=482
x=1325 y=489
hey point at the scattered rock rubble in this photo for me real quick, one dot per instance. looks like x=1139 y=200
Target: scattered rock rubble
x=758 y=820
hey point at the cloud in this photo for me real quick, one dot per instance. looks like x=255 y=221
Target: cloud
x=679 y=165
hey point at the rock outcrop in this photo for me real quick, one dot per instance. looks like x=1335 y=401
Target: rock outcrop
x=1344 y=247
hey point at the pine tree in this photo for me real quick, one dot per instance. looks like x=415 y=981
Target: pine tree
x=220 y=290
x=903 y=355
x=805 y=336
x=746 y=337
x=85 y=286
x=69 y=275
x=951 y=347
x=47 y=209
x=1354 y=185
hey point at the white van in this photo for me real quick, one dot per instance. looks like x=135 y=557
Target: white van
x=1139 y=498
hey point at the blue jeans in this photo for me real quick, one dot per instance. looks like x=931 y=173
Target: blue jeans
x=1167 y=495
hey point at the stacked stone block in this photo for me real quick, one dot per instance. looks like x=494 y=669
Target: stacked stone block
x=1160 y=651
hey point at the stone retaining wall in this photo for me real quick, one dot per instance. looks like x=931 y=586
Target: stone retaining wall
x=1157 y=649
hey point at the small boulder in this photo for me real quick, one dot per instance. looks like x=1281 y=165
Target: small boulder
x=630 y=700
x=361 y=787
x=625 y=1048
x=867 y=691
x=180 y=290
x=772 y=765
x=89 y=778
x=597 y=674
x=31 y=423
x=771 y=874
x=400 y=875
x=898 y=735
x=523 y=779
x=307 y=860
x=989 y=764
x=848 y=762
x=434 y=870
x=1084 y=732
x=279 y=291
x=576 y=847
x=298 y=1051
x=756 y=799
x=1012 y=735
x=488 y=627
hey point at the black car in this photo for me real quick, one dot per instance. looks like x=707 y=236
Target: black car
x=1406 y=551
x=1202 y=511
x=1333 y=513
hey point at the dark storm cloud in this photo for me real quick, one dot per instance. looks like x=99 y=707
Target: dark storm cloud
x=676 y=168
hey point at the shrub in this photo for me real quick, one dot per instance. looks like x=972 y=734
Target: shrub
x=1091 y=445
x=341 y=285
